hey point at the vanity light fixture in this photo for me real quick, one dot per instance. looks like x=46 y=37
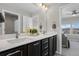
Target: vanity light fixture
x=43 y=6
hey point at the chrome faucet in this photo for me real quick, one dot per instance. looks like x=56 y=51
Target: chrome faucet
x=17 y=35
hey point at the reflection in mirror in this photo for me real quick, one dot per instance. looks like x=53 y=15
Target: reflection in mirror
x=11 y=23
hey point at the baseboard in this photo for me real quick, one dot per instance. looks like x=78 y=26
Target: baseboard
x=58 y=52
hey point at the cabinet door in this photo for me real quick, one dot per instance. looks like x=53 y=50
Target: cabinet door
x=34 y=49
x=52 y=45
x=55 y=38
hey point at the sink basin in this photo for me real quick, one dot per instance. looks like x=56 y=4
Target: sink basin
x=16 y=40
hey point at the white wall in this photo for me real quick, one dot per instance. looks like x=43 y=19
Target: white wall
x=54 y=18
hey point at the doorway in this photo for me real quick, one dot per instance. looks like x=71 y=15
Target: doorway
x=70 y=30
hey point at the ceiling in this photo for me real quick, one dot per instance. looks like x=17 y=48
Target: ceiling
x=67 y=16
x=29 y=8
x=21 y=7
x=67 y=9
x=56 y=4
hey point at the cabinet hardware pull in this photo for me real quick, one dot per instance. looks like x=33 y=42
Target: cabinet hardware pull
x=45 y=42
x=35 y=44
x=13 y=53
x=46 y=53
x=46 y=47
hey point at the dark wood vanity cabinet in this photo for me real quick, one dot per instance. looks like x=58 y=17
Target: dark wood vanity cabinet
x=18 y=51
x=55 y=43
x=34 y=49
x=49 y=46
x=52 y=45
x=44 y=47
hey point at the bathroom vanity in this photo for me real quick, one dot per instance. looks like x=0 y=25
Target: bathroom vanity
x=42 y=45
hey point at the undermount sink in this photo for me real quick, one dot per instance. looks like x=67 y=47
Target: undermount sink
x=16 y=40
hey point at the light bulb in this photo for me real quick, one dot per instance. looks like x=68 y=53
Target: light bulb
x=43 y=6
x=46 y=8
x=40 y=4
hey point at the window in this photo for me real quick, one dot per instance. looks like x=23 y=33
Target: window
x=66 y=28
x=75 y=27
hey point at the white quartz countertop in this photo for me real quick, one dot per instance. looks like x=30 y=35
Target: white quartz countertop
x=5 y=44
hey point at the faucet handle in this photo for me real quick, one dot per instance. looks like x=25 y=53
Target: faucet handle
x=17 y=34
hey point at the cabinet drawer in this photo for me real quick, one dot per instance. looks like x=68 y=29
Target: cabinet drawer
x=13 y=52
x=44 y=46
x=18 y=51
x=44 y=40
x=45 y=52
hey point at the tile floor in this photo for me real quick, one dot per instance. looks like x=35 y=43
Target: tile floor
x=73 y=50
